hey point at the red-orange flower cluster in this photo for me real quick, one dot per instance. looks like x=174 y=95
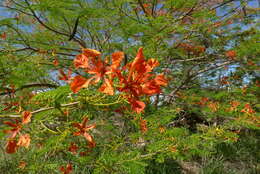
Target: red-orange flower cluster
x=224 y=81
x=24 y=139
x=203 y=101
x=10 y=105
x=73 y=148
x=231 y=54
x=65 y=77
x=135 y=79
x=90 y=60
x=140 y=81
x=3 y=35
x=143 y=125
x=66 y=170
x=22 y=164
x=196 y=50
x=234 y=105
x=83 y=131
x=248 y=109
x=214 y=106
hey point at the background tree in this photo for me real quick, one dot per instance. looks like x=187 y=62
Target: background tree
x=208 y=50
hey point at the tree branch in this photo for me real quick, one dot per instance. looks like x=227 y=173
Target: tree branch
x=45 y=85
x=74 y=29
x=46 y=109
x=192 y=76
x=80 y=42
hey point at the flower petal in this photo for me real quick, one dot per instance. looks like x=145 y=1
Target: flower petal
x=137 y=106
x=73 y=148
x=84 y=122
x=143 y=125
x=151 y=64
x=89 y=138
x=24 y=140
x=160 y=80
x=26 y=117
x=117 y=58
x=77 y=83
x=10 y=124
x=77 y=133
x=107 y=87
x=151 y=88
x=138 y=65
x=77 y=125
x=90 y=127
x=66 y=170
x=81 y=61
x=91 y=53
x=11 y=146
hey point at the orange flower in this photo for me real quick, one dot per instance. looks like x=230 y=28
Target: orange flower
x=87 y=58
x=99 y=69
x=81 y=61
x=234 y=105
x=26 y=117
x=143 y=125
x=107 y=87
x=24 y=140
x=137 y=82
x=78 y=83
x=248 y=109
x=22 y=164
x=231 y=54
x=214 y=106
x=137 y=106
x=117 y=58
x=140 y=81
x=11 y=146
x=91 y=62
x=66 y=170
x=196 y=50
x=160 y=80
x=55 y=62
x=224 y=81
x=91 y=53
x=15 y=128
x=65 y=77
x=203 y=101
x=73 y=148
x=83 y=130
x=3 y=36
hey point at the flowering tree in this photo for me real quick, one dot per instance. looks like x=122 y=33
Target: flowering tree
x=79 y=94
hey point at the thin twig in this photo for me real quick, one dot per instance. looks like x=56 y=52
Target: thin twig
x=45 y=85
x=46 y=109
x=81 y=43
